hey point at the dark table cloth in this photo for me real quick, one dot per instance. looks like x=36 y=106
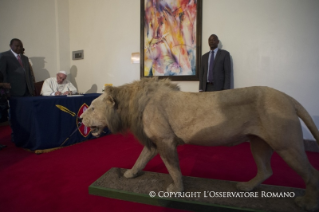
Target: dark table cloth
x=44 y=122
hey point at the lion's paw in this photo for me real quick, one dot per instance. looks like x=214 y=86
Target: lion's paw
x=304 y=203
x=129 y=174
x=244 y=186
x=173 y=188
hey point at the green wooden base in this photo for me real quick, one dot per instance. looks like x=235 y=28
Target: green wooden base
x=200 y=194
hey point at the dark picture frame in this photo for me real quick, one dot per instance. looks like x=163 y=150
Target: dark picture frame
x=165 y=51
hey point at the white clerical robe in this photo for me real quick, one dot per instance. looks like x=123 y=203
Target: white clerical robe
x=50 y=86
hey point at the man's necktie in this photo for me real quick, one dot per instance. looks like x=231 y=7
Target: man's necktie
x=210 y=70
x=20 y=61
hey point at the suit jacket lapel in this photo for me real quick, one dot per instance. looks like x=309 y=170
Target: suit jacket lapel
x=15 y=58
x=206 y=66
x=27 y=73
x=217 y=58
x=24 y=62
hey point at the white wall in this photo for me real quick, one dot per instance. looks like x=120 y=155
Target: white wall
x=43 y=27
x=271 y=42
x=108 y=32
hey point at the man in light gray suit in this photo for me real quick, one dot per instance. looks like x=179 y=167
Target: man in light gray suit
x=214 y=74
x=15 y=69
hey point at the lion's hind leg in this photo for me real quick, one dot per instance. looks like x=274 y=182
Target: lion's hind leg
x=262 y=153
x=145 y=156
x=297 y=159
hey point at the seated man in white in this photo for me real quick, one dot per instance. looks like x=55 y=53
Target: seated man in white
x=57 y=86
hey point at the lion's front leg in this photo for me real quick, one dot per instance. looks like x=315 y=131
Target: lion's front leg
x=145 y=156
x=169 y=156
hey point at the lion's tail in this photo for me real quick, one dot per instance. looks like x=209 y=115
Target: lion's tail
x=306 y=118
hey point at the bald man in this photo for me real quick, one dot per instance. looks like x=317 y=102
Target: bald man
x=57 y=86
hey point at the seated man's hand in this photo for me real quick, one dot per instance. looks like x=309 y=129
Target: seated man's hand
x=58 y=93
x=67 y=93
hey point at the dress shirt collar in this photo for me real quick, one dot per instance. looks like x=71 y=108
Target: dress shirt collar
x=215 y=50
x=15 y=54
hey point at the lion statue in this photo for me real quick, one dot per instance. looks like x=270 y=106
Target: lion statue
x=162 y=117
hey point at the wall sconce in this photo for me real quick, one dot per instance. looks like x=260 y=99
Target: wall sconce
x=135 y=57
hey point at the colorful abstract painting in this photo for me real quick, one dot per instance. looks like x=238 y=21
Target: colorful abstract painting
x=170 y=37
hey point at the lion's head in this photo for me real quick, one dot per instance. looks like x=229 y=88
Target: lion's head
x=121 y=108
x=101 y=113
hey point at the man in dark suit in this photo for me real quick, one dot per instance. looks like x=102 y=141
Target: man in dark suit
x=15 y=69
x=214 y=74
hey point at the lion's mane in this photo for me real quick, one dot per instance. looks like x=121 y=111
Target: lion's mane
x=130 y=101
